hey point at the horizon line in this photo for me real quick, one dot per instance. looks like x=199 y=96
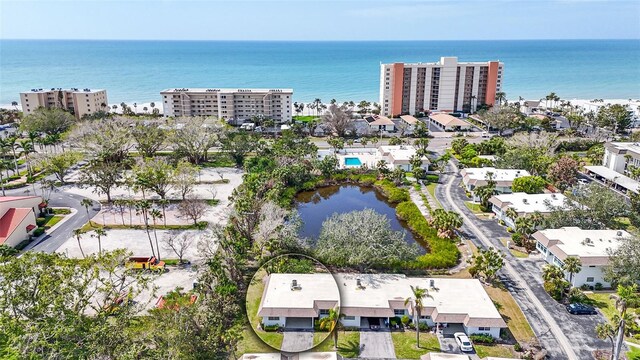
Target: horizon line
x=318 y=40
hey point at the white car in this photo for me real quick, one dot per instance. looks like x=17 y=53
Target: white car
x=463 y=341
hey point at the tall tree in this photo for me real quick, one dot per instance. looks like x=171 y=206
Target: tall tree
x=47 y=121
x=184 y=178
x=572 y=265
x=149 y=138
x=417 y=306
x=60 y=164
x=564 y=173
x=195 y=137
x=102 y=176
x=616 y=117
x=331 y=323
x=339 y=119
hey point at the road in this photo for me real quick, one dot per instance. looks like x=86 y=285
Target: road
x=543 y=323
x=58 y=198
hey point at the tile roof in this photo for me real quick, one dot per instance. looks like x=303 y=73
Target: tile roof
x=10 y=221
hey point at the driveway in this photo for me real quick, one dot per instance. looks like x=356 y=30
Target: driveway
x=548 y=318
x=296 y=341
x=376 y=344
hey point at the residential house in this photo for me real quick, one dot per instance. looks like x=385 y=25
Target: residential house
x=409 y=122
x=378 y=123
x=399 y=156
x=592 y=247
x=295 y=300
x=524 y=204
x=447 y=122
x=18 y=218
x=476 y=177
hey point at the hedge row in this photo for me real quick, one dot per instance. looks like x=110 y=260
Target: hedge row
x=576 y=145
x=394 y=194
x=443 y=253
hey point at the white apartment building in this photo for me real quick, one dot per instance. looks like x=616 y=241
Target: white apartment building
x=447 y=85
x=524 y=204
x=618 y=156
x=367 y=299
x=590 y=246
x=395 y=156
x=476 y=177
x=79 y=102
x=230 y=104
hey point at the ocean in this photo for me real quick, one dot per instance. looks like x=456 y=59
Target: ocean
x=136 y=71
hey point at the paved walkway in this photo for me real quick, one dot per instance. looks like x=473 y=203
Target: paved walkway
x=417 y=199
x=376 y=344
x=295 y=341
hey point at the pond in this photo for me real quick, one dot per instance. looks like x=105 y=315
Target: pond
x=316 y=206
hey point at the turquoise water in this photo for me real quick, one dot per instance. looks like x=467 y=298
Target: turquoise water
x=138 y=70
x=352 y=161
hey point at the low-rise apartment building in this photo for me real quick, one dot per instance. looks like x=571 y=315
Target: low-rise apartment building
x=619 y=156
x=447 y=85
x=379 y=123
x=614 y=179
x=395 y=156
x=476 y=177
x=524 y=204
x=18 y=218
x=367 y=299
x=399 y=156
x=590 y=246
x=79 y=102
x=235 y=105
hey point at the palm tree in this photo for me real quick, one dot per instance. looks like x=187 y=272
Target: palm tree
x=155 y=214
x=152 y=104
x=330 y=323
x=14 y=104
x=417 y=306
x=145 y=109
x=511 y=213
x=27 y=149
x=86 y=202
x=4 y=165
x=501 y=97
x=316 y=105
x=625 y=297
x=142 y=208
x=446 y=222
x=99 y=233
x=13 y=144
x=551 y=272
x=163 y=203
x=572 y=265
x=115 y=107
x=77 y=233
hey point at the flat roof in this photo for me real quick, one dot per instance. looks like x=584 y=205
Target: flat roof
x=448 y=59
x=528 y=203
x=448 y=120
x=73 y=90
x=591 y=246
x=620 y=179
x=400 y=152
x=499 y=175
x=443 y=356
x=278 y=293
x=450 y=300
x=16 y=198
x=633 y=147
x=225 y=90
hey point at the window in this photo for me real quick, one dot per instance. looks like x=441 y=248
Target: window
x=349 y=318
x=425 y=317
x=590 y=279
x=484 y=328
x=274 y=318
x=398 y=312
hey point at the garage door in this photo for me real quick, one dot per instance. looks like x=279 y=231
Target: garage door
x=299 y=323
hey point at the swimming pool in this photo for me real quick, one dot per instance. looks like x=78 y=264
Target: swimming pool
x=352 y=161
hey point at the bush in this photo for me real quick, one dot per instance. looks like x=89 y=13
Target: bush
x=598 y=286
x=517 y=347
x=509 y=229
x=432 y=178
x=517 y=238
x=41 y=221
x=482 y=339
x=576 y=295
x=443 y=253
x=405 y=320
x=39 y=231
x=393 y=193
x=576 y=145
x=423 y=326
x=270 y=328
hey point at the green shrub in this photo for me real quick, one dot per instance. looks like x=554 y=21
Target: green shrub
x=482 y=339
x=598 y=286
x=405 y=320
x=41 y=221
x=433 y=178
x=270 y=328
x=39 y=231
x=517 y=238
x=517 y=347
x=509 y=229
x=443 y=253
x=393 y=193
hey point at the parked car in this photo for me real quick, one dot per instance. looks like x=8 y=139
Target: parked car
x=463 y=341
x=581 y=309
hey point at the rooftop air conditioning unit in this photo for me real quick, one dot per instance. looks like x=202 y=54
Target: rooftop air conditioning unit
x=525 y=201
x=432 y=283
x=295 y=285
x=553 y=196
x=359 y=284
x=619 y=233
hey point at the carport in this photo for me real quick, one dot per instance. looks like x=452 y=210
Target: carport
x=298 y=323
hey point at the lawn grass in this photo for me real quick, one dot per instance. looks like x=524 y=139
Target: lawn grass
x=252 y=303
x=516 y=321
x=61 y=211
x=607 y=306
x=305 y=118
x=251 y=343
x=500 y=351
x=348 y=344
x=431 y=188
x=405 y=344
x=52 y=220
x=514 y=252
x=475 y=208
x=633 y=353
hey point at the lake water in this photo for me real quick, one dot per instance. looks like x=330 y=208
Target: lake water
x=316 y=206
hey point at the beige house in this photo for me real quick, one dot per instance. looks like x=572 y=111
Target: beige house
x=399 y=156
x=476 y=177
x=295 y=300
x=80 y=102
x=235 y=105
x=447 y=122
x=380 y=123
x=18 y=218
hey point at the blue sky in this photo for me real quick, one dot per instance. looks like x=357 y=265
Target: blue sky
x=319 y=20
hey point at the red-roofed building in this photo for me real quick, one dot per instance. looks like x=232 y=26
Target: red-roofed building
x=18 y=218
